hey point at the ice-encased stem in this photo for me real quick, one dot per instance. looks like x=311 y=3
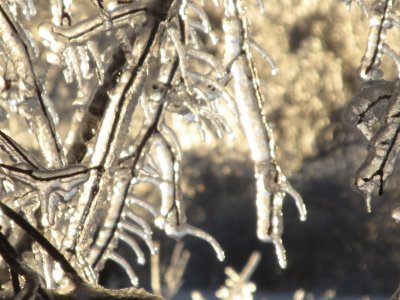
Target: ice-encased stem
x=113 y=129
x=32 y=107
x=106 y=152
x=271 y=183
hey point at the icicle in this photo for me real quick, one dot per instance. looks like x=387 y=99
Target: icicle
x=171 y=207
x=181 y=230
x=152 y=165
x=263 y=204
x=209 y=59
x=149 y=179
x=74 y=64
x=94 y=52
x=210 y=94
x=84 y=61
x=193 y=37
x=142 y=204
x=69 y=71
x=301 y=207
x=126 y=266
x=216 y=120
x=277 y=229
x=141 y=222
x=50 y=109
x=127 y=239
x=199 y=26
x=367 y=198
x=212 y=83
x=265 y=55
x=9 y=187
x=124 y=40
x=199 y=11
x=166 y=167
x=137 y=231
x=180 y=50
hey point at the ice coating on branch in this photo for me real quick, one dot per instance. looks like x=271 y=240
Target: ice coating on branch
x=380 y=129
x=52 y=186
x=272 y=186
x=376 y=109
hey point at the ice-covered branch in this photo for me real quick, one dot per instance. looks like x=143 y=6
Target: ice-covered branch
x=31 y=105
x=271 y=185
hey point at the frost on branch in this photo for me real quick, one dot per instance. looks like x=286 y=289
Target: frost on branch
x=375 y=109
x=271 y=183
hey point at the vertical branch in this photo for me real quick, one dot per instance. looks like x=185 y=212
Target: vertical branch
x=113 y=128
x=32 y=107
x=271 y=183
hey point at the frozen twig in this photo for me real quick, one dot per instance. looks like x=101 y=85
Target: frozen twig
x=271 y=184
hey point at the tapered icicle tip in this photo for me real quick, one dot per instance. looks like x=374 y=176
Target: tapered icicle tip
x=396 y=214
x=280 y=252
x=301 y=207
x=186 y=229
x=141 y=260
x=220 y=254
x=367 y=197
